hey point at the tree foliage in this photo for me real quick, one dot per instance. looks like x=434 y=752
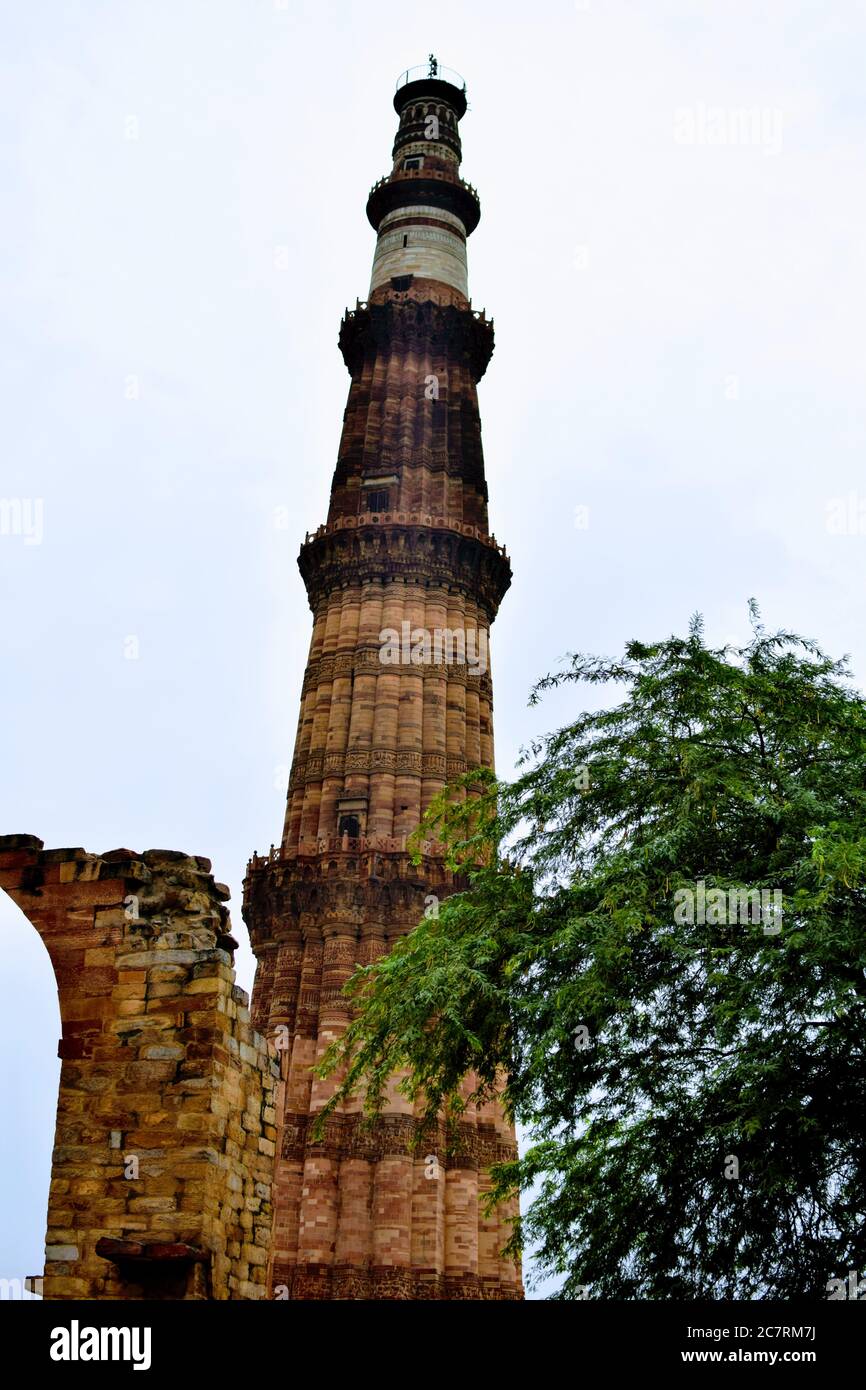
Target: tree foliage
x=649 y=1058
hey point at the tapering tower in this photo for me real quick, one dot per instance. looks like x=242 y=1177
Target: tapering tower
x=404 y=580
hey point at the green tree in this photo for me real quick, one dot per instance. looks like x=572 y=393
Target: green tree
x=693 y=1090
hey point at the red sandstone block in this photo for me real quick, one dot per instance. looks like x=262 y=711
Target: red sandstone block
x=131 y=1011
x=133 y=990
x=140 y=1074
x=75 y=1027
x=67 y=1286
x=173 y=1002
x=99 y=956
x=81 y=1007
x=111 y=1249
x=165 y=974
x=159 y=1137
x=71 y=1102
x=102 y=1207
x=197 y=1062
x=176 y=1251
x=97 y=979
x=94 y=894
x=162 y=1205
x=194 y=1122
x=67 y=960
x=12 y=861
x=210 y=984
x=166 y=1186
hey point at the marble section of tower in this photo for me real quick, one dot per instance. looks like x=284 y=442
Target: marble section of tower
x=406 y=547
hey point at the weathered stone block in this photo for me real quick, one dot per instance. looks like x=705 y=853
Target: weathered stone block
x=128 y=1030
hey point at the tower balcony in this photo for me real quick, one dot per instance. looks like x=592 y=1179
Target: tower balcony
x=441 y=523
x=422 y=73
x=353 y=550
x=345 y=844
x=424 y=187
x=372 y=326
x=354 y=881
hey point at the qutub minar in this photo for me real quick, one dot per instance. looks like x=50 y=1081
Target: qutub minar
x=406 y=549
x=184 y=1165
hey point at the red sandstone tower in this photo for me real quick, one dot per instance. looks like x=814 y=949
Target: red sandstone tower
x=404 y=580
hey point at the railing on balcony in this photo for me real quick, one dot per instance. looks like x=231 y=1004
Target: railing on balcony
x=432 y=68
x=362 y=304
x=344 y=844
x=427 y=174
x=447 y=523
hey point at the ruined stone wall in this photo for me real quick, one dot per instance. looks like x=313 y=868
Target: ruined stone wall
x=167 y=1115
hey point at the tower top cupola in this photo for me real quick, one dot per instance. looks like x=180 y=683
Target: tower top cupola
x=434 y=80
x=423 y=211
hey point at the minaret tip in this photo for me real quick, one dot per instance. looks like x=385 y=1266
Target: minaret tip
x=433 y=72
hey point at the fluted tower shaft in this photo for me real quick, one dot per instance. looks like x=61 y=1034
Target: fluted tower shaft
x=404 y=581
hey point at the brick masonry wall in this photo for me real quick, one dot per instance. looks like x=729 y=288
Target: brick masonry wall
x=167 y=1114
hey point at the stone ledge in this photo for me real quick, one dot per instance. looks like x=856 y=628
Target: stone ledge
x=15 y=842
x=149 y=1252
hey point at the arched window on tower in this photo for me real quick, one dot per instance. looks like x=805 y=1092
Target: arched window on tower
x=350 y=825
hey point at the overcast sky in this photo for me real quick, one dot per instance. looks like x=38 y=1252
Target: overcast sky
x=672 y=244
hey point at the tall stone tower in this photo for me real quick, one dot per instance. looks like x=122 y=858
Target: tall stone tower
x=404 y=580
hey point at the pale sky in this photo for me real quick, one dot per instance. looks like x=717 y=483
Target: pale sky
x=672 y=245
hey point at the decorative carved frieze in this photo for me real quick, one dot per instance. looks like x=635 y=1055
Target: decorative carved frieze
x=313 y=767
x=340 y=887
x=364 y=661
x=411 y=554
x=470 y=1146
x=430 y=327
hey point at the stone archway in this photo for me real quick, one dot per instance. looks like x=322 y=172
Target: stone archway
x=29 y=1030
x=166 y=1118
